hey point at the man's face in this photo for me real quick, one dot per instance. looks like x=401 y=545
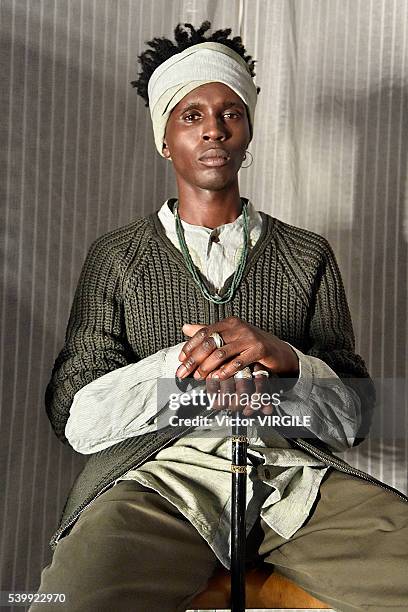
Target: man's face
x=207 y=134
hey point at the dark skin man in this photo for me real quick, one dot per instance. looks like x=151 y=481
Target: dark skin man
x=206 y=137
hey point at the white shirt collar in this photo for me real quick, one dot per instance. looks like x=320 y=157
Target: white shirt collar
x=167 y=219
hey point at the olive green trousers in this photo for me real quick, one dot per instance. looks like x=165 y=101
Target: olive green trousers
x=132 y=551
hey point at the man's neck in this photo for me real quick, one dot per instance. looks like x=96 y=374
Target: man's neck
x=209 y=208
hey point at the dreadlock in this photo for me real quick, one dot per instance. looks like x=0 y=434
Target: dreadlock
x=163 y=48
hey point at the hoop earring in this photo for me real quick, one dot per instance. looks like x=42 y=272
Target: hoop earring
x=245 y=156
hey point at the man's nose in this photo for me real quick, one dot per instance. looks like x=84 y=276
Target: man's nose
x=214 y=129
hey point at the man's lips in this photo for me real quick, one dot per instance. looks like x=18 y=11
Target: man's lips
x=214 y=161
x=214 y=152
x=215 y=157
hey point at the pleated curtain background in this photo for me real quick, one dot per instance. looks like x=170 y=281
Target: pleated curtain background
x=330 y=154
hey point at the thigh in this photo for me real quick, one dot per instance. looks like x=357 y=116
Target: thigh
x=353 y=550
x=130 y=550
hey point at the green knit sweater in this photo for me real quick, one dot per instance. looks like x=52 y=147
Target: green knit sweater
x=134 y=295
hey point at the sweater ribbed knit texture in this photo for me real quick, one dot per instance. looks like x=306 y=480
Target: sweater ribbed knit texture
x=135 y=293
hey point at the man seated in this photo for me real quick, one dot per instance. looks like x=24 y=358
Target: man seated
x=209 y=290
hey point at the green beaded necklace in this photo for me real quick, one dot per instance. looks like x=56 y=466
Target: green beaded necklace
x=216 y=299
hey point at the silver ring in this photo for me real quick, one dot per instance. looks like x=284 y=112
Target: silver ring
x=261 y=373
x=244 y=373
x=219 y=342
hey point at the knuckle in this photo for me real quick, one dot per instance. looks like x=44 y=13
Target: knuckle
x=208 y=343
x=220 y=353
x=189 y=362
x=237 y=363
x=187 y=348
x=203 y=333
x=258 y=346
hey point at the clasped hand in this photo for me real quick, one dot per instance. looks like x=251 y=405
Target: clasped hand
x=244 y=345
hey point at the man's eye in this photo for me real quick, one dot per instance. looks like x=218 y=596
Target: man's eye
x=187 y=117
x=190 y=117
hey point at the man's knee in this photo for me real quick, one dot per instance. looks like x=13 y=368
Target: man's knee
x=119 y=548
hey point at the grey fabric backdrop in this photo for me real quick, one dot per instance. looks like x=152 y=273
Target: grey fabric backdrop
x=330 y=154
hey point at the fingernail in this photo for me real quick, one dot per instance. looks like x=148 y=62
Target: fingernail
x=182 y=371
x=215 y=376
x=197 y=376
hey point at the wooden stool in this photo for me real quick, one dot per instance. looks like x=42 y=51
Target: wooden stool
x=264 y=589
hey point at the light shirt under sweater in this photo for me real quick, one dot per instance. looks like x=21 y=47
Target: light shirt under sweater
x=194 y=473
x=216 y=252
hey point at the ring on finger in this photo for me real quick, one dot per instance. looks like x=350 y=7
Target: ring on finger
x=218 y=339
x=261 y=373
x=244 y=373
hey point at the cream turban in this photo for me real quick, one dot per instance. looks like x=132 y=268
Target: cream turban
x=202 y=63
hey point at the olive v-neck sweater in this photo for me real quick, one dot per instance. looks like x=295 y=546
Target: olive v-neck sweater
x=134 y=295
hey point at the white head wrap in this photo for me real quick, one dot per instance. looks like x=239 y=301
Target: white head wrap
x=181 y=73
